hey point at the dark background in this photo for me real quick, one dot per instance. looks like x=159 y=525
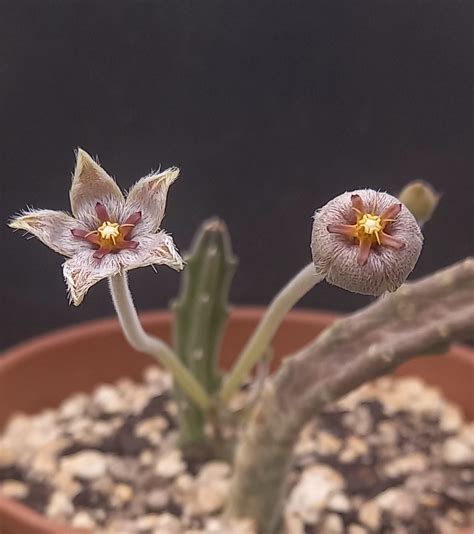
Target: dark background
x=270 y=108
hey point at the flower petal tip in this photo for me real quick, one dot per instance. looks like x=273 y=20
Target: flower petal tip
x=81 y=154
x=166 y=177
x=24 y=219
x=180 y=264
x=172 y=174
x=84 y=161
x=91 y=184
x=16 y=222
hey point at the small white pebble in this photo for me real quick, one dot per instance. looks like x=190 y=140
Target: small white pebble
x=332 y=524
x=360 y=420
x=157 y=377
x=162 y=523
x=121 y=494
x=410 y=463
x=356 y=529
x=210 y=496
x=172 y=408
x=214 y=470
x=83 y=520
x=147 y=457
x=387 y=434
x=7 y=456
x=355 y=448
x=153 y=374
x=370 y=515
x=398 y=502
x=450 y=418
x=86 y=464
x=170 y=464
x=74 y=406
x=147 y=522
x=108 y=399
x=157 y=499
x=184 y=483
x=457 y=452
x=14 y=489
x=293 y=524
x=59 y=506
x=339 y=503
x=66 y=483
x=152 y=429
x=310 y=495
x=327 y=443
x=467 y=434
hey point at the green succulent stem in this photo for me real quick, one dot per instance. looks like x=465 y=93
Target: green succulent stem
x=200 y=315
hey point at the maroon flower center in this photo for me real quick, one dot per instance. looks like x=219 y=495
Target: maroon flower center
x=109 y=237
x=370 y=230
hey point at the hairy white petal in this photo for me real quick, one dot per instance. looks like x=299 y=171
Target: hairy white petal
x=154 y=249
x=148 y=195
x=335 y=256
x=82 y=271
x=53 y=228
x=91 y=184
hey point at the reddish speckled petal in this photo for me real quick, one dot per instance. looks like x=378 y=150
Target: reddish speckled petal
x=102 y=212
x=358 y=203
x=392 y=242
x=91 y=237
x=130 y=222
x=101 y=252
x=77 y=232
x=364 y=250
x=134 y=218
x=343 y=229
x=391 y=212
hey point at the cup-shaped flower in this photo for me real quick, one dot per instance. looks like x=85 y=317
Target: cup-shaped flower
x=108 y=234
x=366 y=242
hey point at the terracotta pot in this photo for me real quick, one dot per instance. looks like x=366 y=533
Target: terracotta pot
x=40 y=373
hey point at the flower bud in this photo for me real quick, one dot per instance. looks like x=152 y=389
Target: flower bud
x=421 y=199
x=365 y=241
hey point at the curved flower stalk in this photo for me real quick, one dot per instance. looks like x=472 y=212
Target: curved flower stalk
x=258 y=344
x=366 y=242
x=108 y=233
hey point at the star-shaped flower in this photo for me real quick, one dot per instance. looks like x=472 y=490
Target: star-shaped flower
x=108 y=233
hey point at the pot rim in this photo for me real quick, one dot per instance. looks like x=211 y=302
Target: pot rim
x=110 y=324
